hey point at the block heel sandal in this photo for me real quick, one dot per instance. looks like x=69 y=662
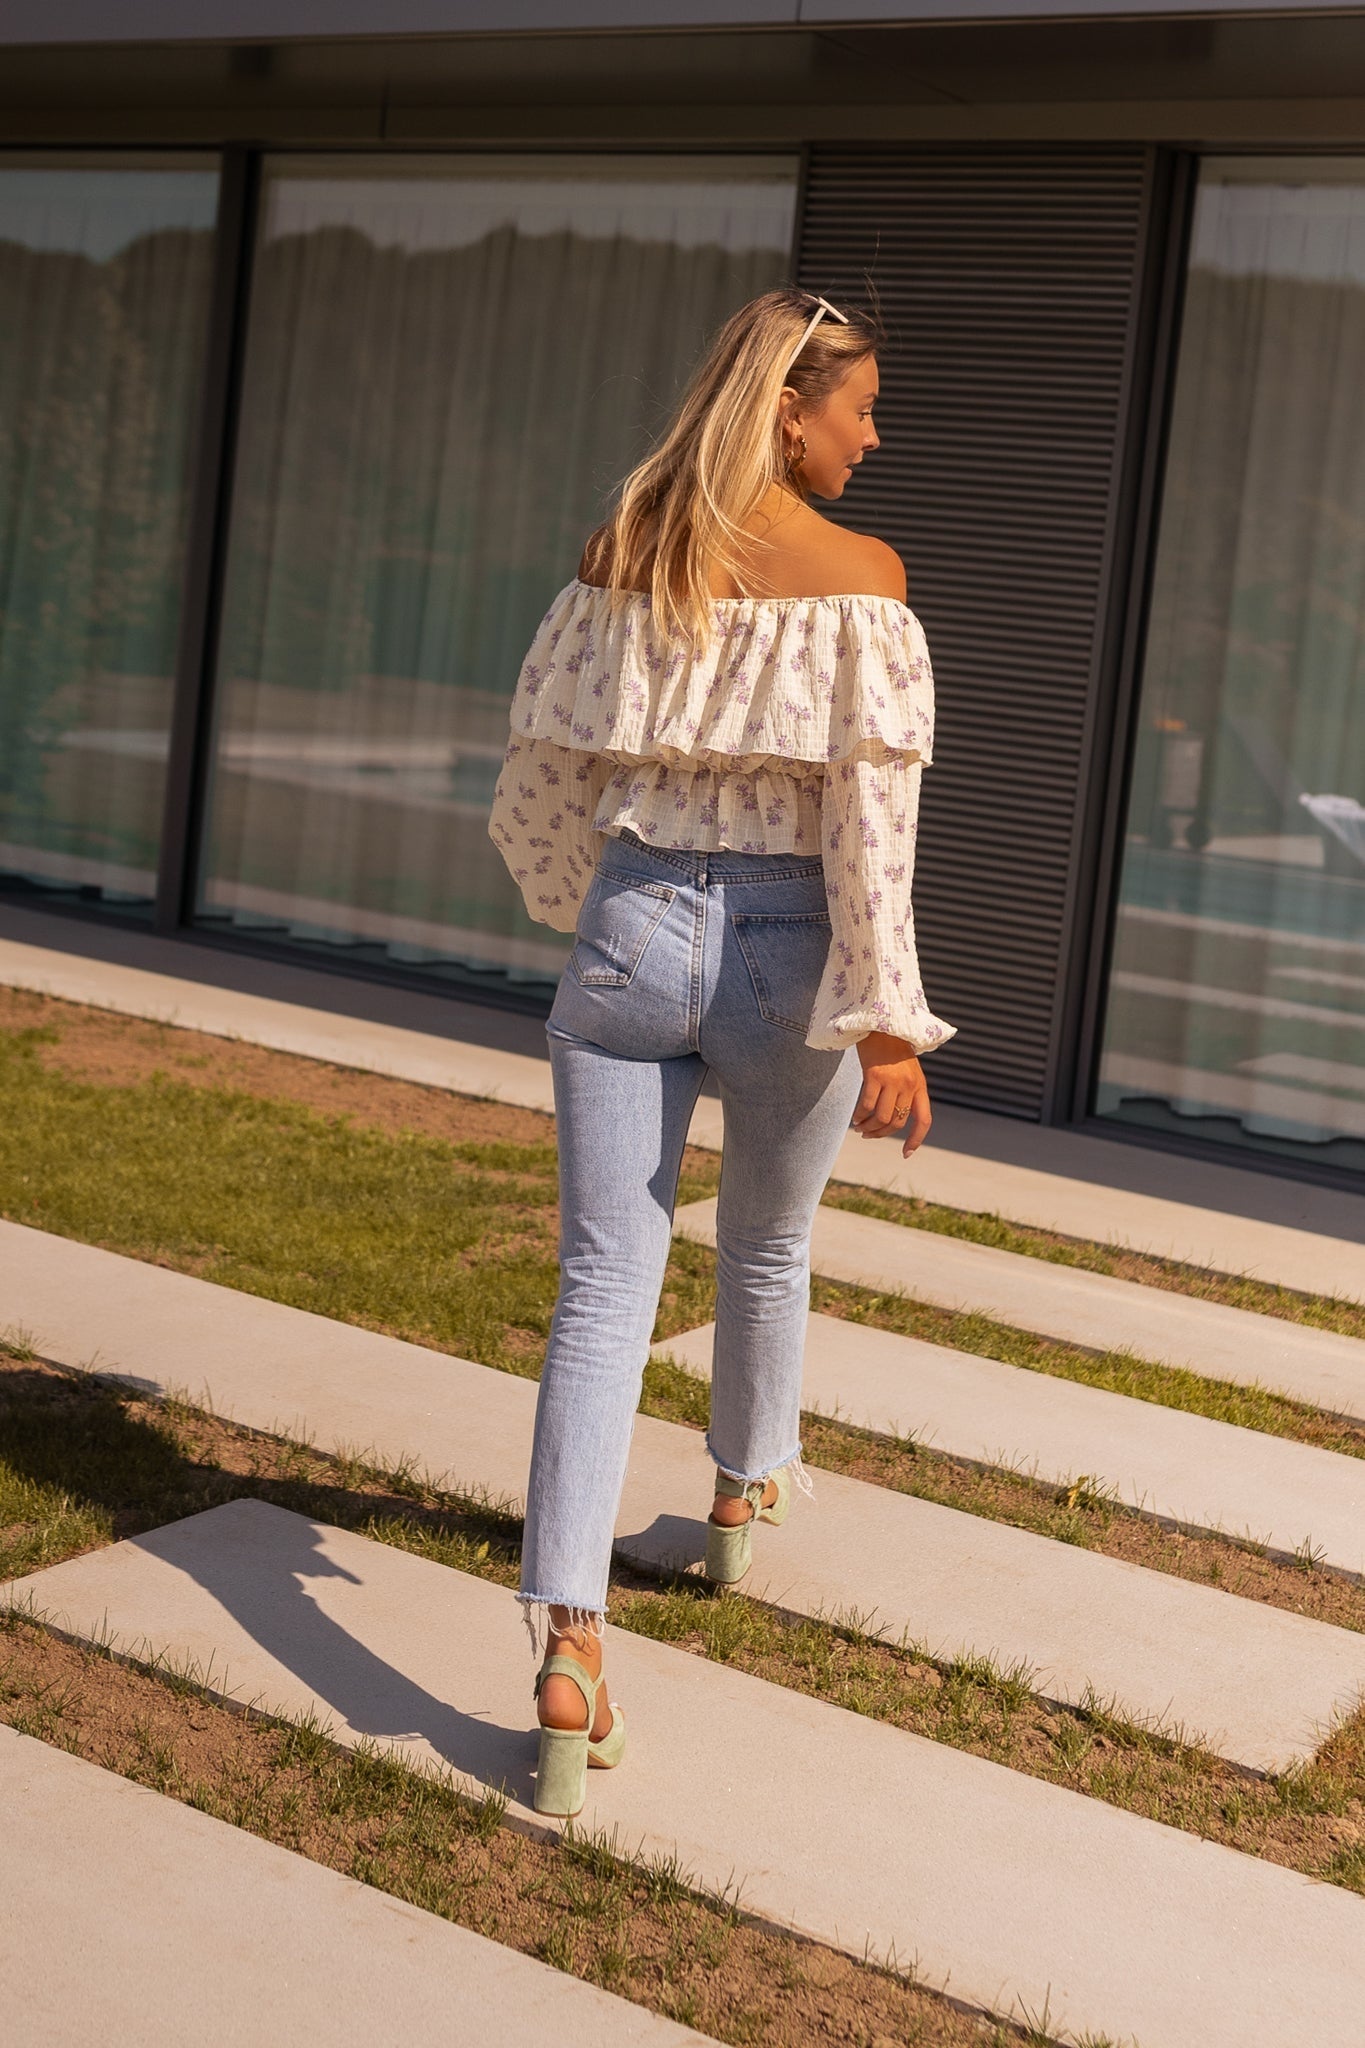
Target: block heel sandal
x=565 y=1753
x=729 y=1551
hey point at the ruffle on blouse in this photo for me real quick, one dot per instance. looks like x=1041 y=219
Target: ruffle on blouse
x=784 y=680
x=763 y=811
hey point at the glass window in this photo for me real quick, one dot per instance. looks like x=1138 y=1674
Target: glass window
x=105 y=268
x=1237 y=997
x=451 y=362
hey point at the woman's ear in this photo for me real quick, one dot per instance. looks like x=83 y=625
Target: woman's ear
x=789 y=406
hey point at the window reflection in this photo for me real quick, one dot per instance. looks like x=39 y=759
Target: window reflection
x=1237 y=998
x=105 y=267
x=450 y=364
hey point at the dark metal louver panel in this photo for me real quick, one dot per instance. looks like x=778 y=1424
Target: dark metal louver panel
x=1008 y=277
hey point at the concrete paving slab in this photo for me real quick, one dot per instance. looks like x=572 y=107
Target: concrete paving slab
x=1090 y=1309
x=1227 y=1218
x=1181 y=1468
x=126 y=1917
x=1258 y=1685
x=1254 y=1684
x=1006 y=1889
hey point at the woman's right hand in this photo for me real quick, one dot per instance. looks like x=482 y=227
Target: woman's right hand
x=894 y=1089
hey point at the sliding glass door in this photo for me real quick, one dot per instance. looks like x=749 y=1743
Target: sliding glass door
x=1237 y=997
x=105 y=267
x=450 y=362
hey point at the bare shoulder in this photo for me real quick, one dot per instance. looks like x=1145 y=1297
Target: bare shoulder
x=823 y=557
x=880 y=570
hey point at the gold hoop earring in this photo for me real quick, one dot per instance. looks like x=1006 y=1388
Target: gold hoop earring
x=794 y=462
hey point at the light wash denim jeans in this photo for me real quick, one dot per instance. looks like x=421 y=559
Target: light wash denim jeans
x=684 y=963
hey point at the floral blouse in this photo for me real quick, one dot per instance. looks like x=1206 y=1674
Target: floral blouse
x=805 y=727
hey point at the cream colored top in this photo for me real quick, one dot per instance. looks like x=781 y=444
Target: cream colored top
x=805 y=727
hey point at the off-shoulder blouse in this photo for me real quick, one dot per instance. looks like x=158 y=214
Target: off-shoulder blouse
x=804 y=727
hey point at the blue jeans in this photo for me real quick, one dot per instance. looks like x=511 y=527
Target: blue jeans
x=684 y=963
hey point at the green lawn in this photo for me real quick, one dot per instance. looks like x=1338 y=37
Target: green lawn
x=452 y=1245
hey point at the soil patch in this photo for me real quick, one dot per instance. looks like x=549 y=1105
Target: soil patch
x=115 y=1051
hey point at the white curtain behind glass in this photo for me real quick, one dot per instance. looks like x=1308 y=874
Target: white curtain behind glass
x=451 y=363
x=1241 y=955
x=104 y=280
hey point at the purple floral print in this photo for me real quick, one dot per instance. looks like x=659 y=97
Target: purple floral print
x=806 y=725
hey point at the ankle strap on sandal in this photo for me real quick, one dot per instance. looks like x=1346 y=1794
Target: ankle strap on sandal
x=751 y=1490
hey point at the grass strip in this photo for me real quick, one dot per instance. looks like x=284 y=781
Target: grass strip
x=451 y=1244
x=640 y=1928
x=74 y=1444
x=1115 y=1371
x=86 y=1042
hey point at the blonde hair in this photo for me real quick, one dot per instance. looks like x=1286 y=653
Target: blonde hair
x=682 y=509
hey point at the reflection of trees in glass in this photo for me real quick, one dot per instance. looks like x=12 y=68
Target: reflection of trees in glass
x=429 y=435
x=1258 y=610
x=98 y=367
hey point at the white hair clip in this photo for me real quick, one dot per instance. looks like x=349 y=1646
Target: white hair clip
x=823 y=306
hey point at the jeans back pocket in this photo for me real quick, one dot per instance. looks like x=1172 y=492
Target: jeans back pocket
x=618 y=917
x=785 y=953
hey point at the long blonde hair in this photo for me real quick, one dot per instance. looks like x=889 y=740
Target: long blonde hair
x=683 y=508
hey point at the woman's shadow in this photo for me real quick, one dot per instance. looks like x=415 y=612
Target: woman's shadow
x=256 y=1560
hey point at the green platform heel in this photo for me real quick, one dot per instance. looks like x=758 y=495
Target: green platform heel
x=729 y=1552
x=565 y=1753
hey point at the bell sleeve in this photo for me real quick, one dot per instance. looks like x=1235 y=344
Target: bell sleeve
x=541 y=822
x=869 y=818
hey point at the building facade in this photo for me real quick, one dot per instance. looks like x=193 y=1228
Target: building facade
x=325 y=334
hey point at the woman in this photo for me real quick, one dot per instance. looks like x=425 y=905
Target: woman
x=713 y=781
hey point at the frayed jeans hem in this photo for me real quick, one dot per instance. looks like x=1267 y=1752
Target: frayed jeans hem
x=535 y=1612
x=793 y=1459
